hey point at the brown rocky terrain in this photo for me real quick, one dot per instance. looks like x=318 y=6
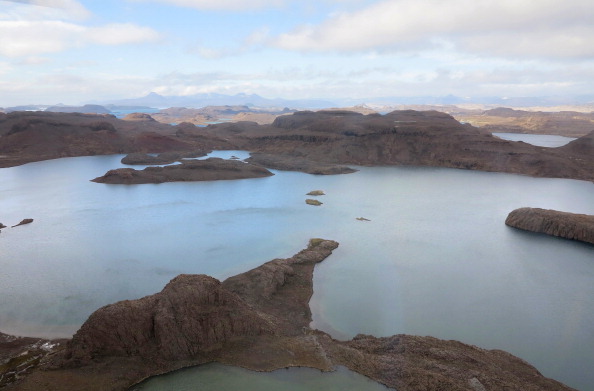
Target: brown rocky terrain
x=258 y=320
x=210 y=169
x=505 y=120
x=292 y=163
x=551 y=222
x=407 y=137
x=34 y=136
x=424 y=138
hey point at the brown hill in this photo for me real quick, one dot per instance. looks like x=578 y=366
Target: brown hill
x=426 y=138
x=34 y=136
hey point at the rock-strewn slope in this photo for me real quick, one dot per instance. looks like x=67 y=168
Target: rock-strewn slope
x=260 y=320
x=210 y=169
x=551 y=222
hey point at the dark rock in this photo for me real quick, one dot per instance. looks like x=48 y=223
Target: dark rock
x=23 y=222
x=191 y=315
x=210 y=169
x=316 y=193
x=291 y=163
x=313 y=202
x=551 y=222
x=2 y=226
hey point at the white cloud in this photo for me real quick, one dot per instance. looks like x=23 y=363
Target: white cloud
x=30 y=38
x=230 y=5
x=121 y=33
x=549 y=28
x=46 y=9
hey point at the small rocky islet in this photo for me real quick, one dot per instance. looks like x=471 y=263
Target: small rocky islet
x=210 y=169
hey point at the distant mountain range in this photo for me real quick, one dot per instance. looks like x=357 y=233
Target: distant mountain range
x=212 y=99
x=157 y=101
x=201 y=100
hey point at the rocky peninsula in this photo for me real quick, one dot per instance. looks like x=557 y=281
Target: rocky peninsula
x=210 y=169
x=257 y=320
x=551 y=222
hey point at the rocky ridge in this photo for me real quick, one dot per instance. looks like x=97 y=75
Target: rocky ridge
x=551 y=222
x=259 y=320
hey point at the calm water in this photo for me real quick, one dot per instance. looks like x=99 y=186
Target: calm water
x=435 y=259
x=542 y=140
x=217 y=377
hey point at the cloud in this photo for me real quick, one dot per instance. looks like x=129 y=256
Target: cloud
x=48 y=9
x=121 y=33
x=229 y=5
x=29 y=38
x=549 y=28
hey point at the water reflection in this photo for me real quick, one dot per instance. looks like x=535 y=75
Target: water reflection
x=217 y=377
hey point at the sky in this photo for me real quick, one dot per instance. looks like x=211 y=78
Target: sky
x=74 y=52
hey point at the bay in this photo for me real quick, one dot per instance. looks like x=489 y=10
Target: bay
x=435 y=258
x=541 y=140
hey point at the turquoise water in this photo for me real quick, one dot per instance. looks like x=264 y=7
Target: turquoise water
x=216 y=377
x=435 y=258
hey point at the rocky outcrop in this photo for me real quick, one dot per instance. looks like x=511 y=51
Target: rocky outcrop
x=292 y=163
x=260 y=320
x=551 y=222
x=23 y=222
x=210 y=169
x=311 y=201
x=407 y=363
x=191 y=315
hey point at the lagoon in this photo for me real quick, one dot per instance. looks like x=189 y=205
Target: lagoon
x=435 y=258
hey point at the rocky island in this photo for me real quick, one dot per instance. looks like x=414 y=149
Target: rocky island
x=551 y=222
x=210 y=169
x=257 y=320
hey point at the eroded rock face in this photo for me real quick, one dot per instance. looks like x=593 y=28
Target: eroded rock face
x=191 y=315
x=551 y=222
